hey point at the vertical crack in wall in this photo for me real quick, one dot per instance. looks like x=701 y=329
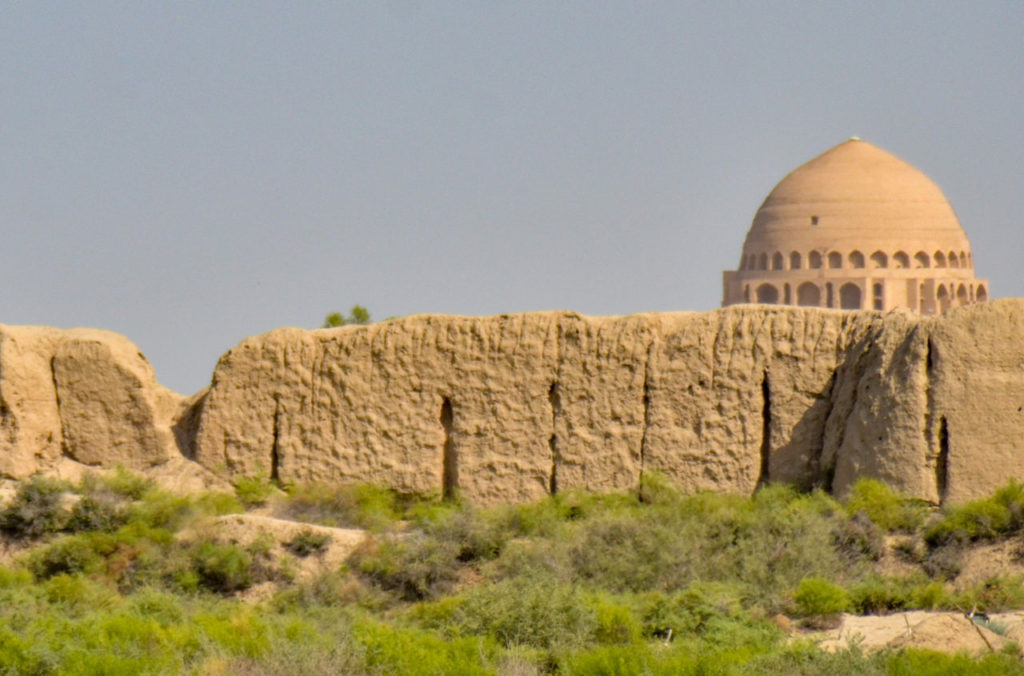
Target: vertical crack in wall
x=555 y=399
x=647 y=416
x=935 y=434
x=275 y=447
x=64 y=450
x=766 y=431
x=450 y=465
x=824 y=468
x=942 y=461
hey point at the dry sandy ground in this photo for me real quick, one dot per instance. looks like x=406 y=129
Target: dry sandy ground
x=942 y=631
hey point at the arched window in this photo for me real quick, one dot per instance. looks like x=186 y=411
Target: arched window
x=921 y=260
x=814 y=260
x=830 y=300
x=762 y=262
x=849 y=296
x=766 y=293
x=940 y=259
x=879 y=260
x=963 y=259
x=981 y=295
x=787 y=297
x=794 y=261
x=856 y=259
x=746 y=293
x=943 y=296
x=808 y=295
x=954 y=262
x=900 y=260
x=835 y=259
x=961 y=295
x=777 y=261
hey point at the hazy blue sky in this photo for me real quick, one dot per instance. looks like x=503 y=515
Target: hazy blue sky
x=188 y=174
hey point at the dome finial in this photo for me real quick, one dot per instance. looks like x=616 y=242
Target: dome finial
x=855 y=138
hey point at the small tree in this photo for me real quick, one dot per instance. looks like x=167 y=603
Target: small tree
x=356 y=315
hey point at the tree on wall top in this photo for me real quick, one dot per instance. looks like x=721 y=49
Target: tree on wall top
x=356 y=315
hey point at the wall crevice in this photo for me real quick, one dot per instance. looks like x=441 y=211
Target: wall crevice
x=766 y=432
x=646 y=422
x=555 y=400
x=449 y=461
x=942 y=461
x=275 y=447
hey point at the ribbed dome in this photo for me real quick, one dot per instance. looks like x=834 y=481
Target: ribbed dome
x=848 y=197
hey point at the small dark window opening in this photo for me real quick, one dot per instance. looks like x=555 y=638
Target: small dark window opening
x=814 y=220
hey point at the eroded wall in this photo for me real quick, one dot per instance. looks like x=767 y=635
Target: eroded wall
x=513 y=407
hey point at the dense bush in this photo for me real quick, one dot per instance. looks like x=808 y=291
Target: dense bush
x=222 y=567
x=36 y=509
x=817 y=596
x=308 y=542
x=885 y=507
x=352 y=506
x=987 y=519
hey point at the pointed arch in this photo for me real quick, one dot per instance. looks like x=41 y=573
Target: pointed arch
x=921 y=260
x=879 y=260
x=900 y=260
x=768 y=294
x=940 y=259
x=835 y=259
x=795 y=261
x=856 y=259
x=850 y=296
x=981 y=295
x=762 y=262
x=961 y=295
x=808 y=295
x=954 y=262
x=777 y=261
x=814 y=260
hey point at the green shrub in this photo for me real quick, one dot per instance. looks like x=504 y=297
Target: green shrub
x=858 y=538
x=308 y=542
x=538 y=612
x=817 y=596
x=878 y=595
x=66 y=555
x=254 y=491
x=399 y=650
x=99 y=512
x=476 y=534
x=986 y=519
x=350 y=505
x=36 y=509
x=120 y=482
x=415 y=567
x=222 y=568
x=885 y=507
x=615 y=620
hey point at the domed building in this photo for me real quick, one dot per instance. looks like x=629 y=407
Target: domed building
x=856 y=228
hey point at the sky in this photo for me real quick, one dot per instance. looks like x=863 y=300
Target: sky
x=192 y=173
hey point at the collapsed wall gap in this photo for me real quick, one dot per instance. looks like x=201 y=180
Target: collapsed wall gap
x=449 y=466
x=766 y=431
x=942 y=462
x=555 y=399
